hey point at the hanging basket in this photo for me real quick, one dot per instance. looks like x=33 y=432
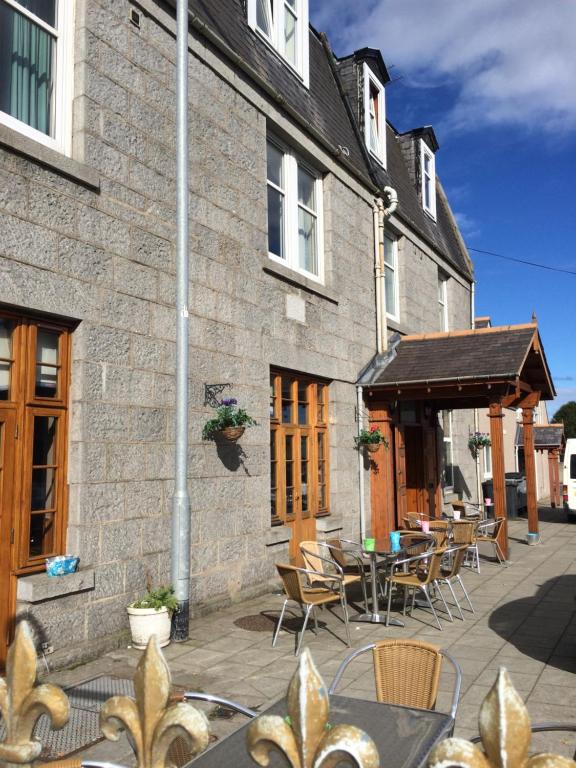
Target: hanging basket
x=372 y=447
x=232 y=434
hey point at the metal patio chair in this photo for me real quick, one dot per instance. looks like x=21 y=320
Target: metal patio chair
x=418 y=574
x=308 y=597
x=326 y=557
x=450 y=574
x=487 y=532
x=406 y=672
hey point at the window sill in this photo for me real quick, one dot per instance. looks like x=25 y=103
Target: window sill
x=294 y=278
x=277 y=535
x=39 y=587
x=33 y=150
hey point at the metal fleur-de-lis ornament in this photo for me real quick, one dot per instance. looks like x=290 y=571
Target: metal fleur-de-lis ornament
x=151 y=722
x=305 y=738
x=22 y=702
x=505 y=734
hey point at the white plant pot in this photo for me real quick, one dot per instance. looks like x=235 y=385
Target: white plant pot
x=145 y=622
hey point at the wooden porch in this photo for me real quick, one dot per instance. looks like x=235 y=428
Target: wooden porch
x=420 y=376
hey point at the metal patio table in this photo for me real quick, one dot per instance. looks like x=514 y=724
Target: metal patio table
x=403 y=736
x=383 y=549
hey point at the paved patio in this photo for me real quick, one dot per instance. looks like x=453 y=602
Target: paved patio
x=525 y=620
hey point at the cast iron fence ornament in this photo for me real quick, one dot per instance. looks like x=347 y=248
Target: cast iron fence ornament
x=505 y=735
x=22 y=702
x=150 y=720
x=305 y=737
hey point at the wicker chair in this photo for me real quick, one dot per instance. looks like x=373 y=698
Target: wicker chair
x=328 y=558
x=450 y=573
x=419 y=574
x=330 y=591
x=487 y=532
x=406 y=672
x=464 y=532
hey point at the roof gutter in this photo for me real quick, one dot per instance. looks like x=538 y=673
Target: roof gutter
x=201 y=27
x=454 y=379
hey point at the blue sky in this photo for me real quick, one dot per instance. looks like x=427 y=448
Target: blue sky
x=496 y=79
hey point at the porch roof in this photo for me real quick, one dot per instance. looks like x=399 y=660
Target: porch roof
x=545 y=436
x=478 y=363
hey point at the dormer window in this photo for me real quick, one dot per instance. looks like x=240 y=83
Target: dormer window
x=374 y=115
x=428 y=176
x=284 y=25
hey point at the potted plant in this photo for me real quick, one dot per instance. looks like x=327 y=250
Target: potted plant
x=476 y=441
x=152 y=616
x=230 y=421
x=371 y=439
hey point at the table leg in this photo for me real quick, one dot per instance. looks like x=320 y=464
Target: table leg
x=376 y=617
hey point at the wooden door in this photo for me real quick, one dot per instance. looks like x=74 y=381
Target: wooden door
x=297 y=465
x=7 y=439
x=400 y=462
x=432 y=501
x=414 y=469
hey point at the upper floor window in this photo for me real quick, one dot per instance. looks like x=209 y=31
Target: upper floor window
x=284 y=25
x=391 y=276
x=428 y=175
x=36 y=69
x=374 y=115
x=294 y=212
x=443 y=301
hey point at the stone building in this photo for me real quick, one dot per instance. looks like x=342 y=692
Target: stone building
x=295 y=171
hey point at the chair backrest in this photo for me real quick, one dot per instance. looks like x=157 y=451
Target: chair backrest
x=416 y=543
x=412 y=521
x=317 y=556
x=458 y=554
x=406 y=672
x=496 y=530
x=463 y=532
x=290 y=576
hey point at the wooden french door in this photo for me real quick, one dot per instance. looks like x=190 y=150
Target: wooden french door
x=7 y=440
x=297 y=464
x=416 y=500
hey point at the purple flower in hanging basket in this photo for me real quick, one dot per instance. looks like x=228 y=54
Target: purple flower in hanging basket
x=229 y=401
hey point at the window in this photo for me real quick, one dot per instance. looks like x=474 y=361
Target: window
x=36 y=69
x=284 y=25
x=487 y=461
x=374 y=115
x=34 y=380
x=391 y=276
x=294 y=212
x=443 y=301
x=448 y=473
x=428 y=174
x=298 y=447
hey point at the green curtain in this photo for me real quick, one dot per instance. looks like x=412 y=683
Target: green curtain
x=31 y=74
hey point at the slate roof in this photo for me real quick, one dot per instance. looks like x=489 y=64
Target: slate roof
x=325 y=108
x=495 y=353
x=545 y=435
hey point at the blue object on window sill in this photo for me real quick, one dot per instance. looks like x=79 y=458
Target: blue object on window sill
x=62 y=565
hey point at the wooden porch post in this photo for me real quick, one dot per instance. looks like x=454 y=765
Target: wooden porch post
x=382 y=489
x=530 y=466
x=498 y=472
x=553 y=474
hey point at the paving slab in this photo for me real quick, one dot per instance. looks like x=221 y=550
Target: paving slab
x=524 y=619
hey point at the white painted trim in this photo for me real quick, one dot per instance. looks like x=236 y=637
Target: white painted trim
x=425 y=151
x=443 y=301
x=393 y=316
x=61 y=117
x=487 y=472
x=291 y=163
x=370 y=78
x=276 y=40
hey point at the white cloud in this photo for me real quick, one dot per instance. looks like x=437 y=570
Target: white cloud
x=468 y=227
x=511 y=61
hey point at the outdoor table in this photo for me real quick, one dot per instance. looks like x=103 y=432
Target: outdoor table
x=403 y=736
x=382 y=548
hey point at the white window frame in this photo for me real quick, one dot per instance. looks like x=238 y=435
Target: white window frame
x=443 y=299
x=394 y=240
x=370 y=79
x=428 y=179
x=61 y=117
x=291 y=161
x=487 y=461
x=277 y=12
x=448 y=441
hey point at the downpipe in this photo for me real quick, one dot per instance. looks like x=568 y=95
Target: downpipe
x=180 y=545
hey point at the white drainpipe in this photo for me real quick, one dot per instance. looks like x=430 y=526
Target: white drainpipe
x=479 y=493
x=360 y=411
